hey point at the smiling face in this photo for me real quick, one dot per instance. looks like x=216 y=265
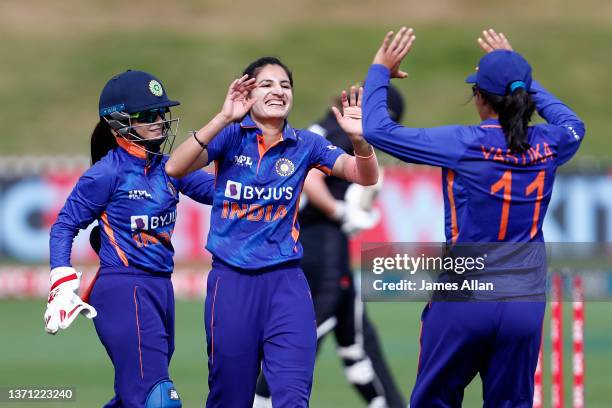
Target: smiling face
x=273 y=95
x=148 y=130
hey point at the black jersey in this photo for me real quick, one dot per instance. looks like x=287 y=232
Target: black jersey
x=328 y=127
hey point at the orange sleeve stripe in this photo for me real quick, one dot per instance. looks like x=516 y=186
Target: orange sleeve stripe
x=450 y=180
x=324 y=169
x=111 y=236
x=216 y=162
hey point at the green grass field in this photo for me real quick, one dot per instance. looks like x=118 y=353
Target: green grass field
x=57 y=59
x=75 y=358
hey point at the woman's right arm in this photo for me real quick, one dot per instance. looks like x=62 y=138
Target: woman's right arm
x=85 y=203
x=192 y=154
x=440 y=146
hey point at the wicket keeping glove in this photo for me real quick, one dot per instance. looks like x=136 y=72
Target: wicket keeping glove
x=64 y=305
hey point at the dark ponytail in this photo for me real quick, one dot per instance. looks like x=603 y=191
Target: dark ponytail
x=515 y=110
x=102 y=141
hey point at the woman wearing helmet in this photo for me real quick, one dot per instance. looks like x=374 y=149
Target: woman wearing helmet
x=258 y=304
x=498 y=178
x=134 y=201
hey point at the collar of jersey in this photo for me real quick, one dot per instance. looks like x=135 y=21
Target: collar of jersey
x=135 y=154
x=490 y=123
x=288 y=131
x=131 y=148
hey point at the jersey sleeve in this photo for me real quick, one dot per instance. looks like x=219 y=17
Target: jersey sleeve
x=323 y=154
x=199 y=186
x=220 y=145
x=85 y=203
x=439 y=146
x=569 y=126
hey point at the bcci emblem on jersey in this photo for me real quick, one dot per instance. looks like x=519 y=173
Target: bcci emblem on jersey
x=284 y=167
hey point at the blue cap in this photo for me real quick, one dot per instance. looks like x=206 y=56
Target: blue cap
x=133 y=91
x=501 y=72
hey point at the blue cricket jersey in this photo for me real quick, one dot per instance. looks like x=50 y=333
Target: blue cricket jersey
x=254 y=216
x=491 y=194
x=135 y=205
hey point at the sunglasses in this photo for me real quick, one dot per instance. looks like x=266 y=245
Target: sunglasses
x=150 y=116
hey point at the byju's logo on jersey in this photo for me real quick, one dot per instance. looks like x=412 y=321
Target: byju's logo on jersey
x=139 y=194
x=243 y=161
x=144 y=222
x=238 y=191
x=139 y=222
x=233 y=189
x=284 y=167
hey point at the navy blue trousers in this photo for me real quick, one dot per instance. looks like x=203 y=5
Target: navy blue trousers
x=498 y=340
x=135 y=323
x=259 y=320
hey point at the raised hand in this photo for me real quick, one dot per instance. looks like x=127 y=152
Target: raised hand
x=491 y=41
x=393 y=50
x=350 y=118
x=237 y=102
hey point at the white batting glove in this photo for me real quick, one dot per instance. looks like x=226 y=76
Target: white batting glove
x=64 y=305
x=355 y=219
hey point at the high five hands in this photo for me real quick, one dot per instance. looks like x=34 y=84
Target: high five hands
x=491 y=41
x=350 y=117
x=393 y=50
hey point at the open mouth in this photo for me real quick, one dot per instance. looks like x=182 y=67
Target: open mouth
x=275 y=103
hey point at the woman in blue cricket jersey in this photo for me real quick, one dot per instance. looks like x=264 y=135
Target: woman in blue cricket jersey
x=128 y=191
x=258 y=305
x=498 y=179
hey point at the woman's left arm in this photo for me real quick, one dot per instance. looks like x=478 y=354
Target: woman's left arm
x=199 y=186
x=553 y=110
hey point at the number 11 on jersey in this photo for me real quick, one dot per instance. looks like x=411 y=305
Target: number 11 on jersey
x=504 y=184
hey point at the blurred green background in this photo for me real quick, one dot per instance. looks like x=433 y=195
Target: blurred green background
x=56 y=57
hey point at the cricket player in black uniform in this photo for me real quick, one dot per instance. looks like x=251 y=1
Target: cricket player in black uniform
x=334 y=210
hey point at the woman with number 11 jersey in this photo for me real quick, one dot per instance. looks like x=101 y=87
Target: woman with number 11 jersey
x=258 y=305
x=498 y=179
